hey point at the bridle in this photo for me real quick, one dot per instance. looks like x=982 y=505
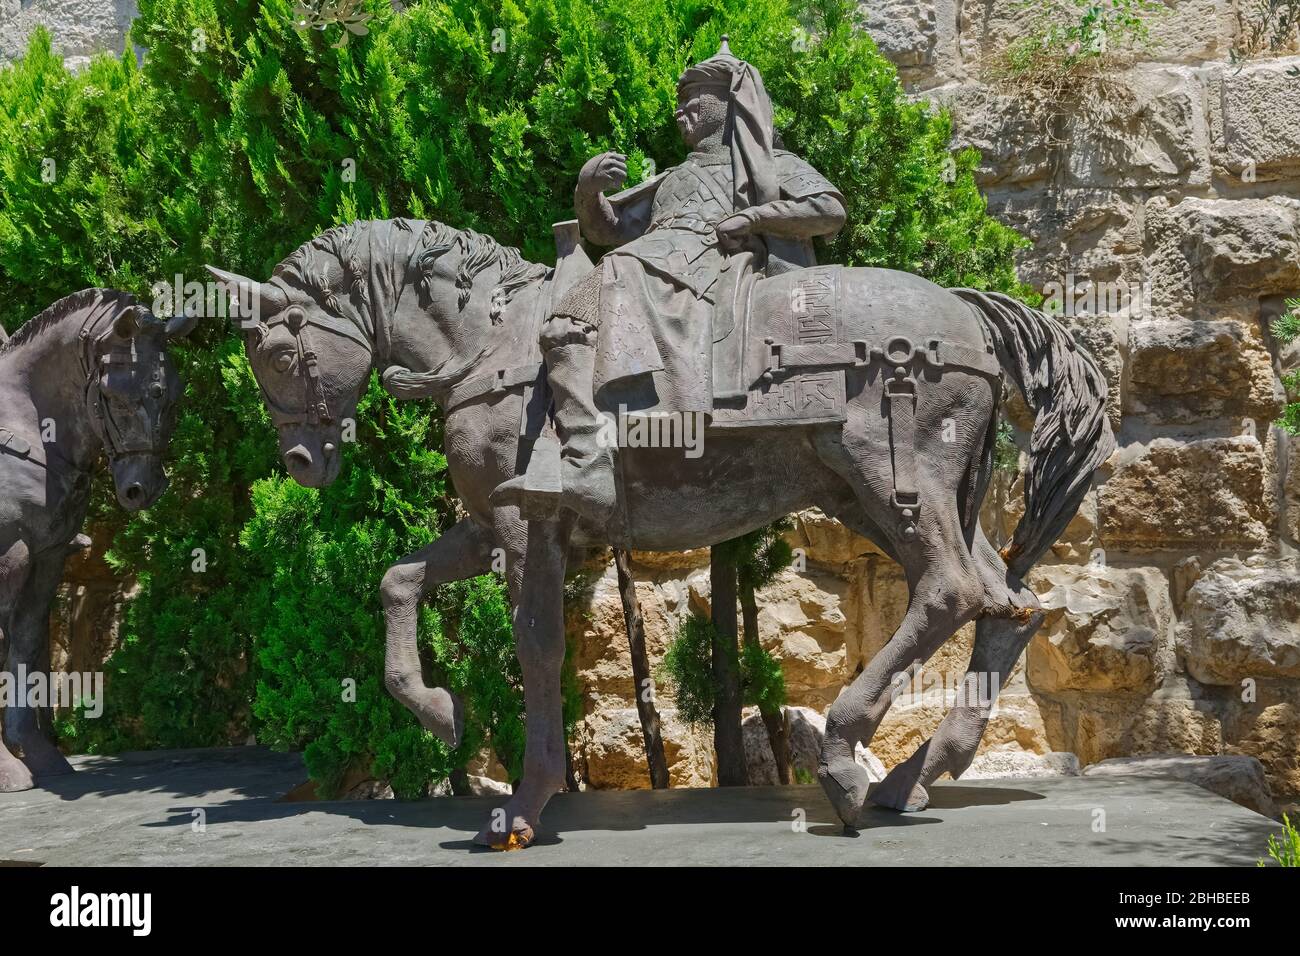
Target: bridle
x=316 y=409
x=140 y=434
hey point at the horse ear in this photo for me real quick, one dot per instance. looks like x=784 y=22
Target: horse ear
x=179 y=326
x=269 y=299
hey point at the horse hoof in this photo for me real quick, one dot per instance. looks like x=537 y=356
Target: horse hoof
x=443 y=716
x=900 y=797
x=845 y=784
x=520 y=837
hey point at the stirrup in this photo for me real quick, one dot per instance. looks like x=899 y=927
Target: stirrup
x=537 y=493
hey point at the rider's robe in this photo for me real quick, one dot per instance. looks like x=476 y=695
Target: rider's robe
x=658 y=291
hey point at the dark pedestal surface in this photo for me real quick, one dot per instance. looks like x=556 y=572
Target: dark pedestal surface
x=139 y=809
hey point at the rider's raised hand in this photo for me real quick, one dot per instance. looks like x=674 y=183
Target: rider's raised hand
x=606 y=171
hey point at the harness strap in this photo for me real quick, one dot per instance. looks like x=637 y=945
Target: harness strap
x=936 y=354
x=17 y=445
x=498 y=380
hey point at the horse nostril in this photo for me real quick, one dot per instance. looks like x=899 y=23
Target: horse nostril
x=297 y=457
x=134 y=492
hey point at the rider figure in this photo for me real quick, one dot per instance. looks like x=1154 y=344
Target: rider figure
x=672 y=237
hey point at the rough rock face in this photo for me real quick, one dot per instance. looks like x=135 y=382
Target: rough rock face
x=1241 y=623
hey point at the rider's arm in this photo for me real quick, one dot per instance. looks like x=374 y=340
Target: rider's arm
x=803 y=218
x=601 y=221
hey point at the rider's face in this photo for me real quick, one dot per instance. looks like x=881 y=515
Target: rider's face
x=700 y=113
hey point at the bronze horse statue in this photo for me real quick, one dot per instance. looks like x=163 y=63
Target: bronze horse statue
x=88 y=376
x=452 y=315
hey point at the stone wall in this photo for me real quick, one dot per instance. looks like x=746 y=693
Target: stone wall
x=81 y=28
x=1175 y=595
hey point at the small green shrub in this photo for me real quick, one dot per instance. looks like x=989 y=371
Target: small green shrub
x=1286 y=329
x=687 y=670
x=1284 y=850
x=1068 y=44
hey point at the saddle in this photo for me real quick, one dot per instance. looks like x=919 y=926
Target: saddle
x=776 y=357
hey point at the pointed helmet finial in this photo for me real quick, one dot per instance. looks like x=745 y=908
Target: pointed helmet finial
x=725 y=48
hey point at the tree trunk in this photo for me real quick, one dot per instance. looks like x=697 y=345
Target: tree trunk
x=728 y=738
x=651 y=733
x=773 y=717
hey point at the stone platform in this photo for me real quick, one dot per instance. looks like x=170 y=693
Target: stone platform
x=143 y=809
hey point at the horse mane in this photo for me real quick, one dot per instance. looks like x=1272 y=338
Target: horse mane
x=311 y=266
x=76 y=304
x=479 y=252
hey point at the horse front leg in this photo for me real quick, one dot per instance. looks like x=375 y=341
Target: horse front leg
x=15 y=565
x=462 y=552
x=28 y=724
x=536 y=556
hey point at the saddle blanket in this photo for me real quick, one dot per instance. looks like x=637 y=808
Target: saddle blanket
x=801 y=309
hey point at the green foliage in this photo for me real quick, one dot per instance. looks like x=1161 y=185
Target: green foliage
x=761 y=678
x=1285 y=850
x=760 y=555
x=1286 y=329
x=75 y=185
x=314 y=559
x=241 y=137
x=687 y=669
x=1006 y=454
x=1072 y=39
x=1267 y=27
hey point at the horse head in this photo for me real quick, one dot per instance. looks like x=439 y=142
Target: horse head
x=132 y=393
x=339 y=306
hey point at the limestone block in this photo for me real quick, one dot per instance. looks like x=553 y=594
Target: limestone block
x=1188 y=371
x=906 y=32
x=1219 y=250
x=1013 y=764
x=612 y=751
x=1150 y=132
x=1212 y=493
x=1107 y=630
x=1241 y=621
x=80 y=28
x=1255 y=120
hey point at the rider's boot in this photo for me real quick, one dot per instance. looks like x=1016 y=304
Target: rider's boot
x=587 y=464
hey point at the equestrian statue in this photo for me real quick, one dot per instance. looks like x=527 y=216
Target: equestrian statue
x=868 y=393
x=87 y=377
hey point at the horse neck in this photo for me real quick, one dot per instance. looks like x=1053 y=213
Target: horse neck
x=46 y=382
x=462 y=345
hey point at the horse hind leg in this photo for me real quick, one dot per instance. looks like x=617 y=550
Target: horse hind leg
x=946 y=591
x=464 y=551
x=1012 y=617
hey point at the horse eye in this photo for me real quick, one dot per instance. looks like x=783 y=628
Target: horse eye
x=283 y=361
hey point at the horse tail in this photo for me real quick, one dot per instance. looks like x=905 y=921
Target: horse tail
x=1066 y=390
